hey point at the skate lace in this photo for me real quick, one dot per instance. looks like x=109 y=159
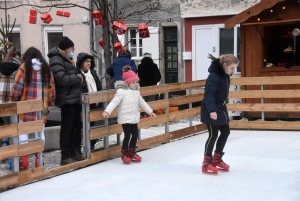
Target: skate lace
x=221 y=160
x=208 y=160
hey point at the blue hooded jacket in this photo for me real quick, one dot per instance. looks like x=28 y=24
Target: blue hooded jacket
x=215 y=96
x=116 y=68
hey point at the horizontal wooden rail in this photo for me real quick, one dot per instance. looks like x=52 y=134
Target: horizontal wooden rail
x=29 y=106
x=10 y=130
x=8 y=109
x=265 y=125
x=265 y=80
x=31 y=147
x=106 y=96
x=96 y=115
x=181 y=100
x=30 y=127
x=268 y=107
x=265 y=94
x=160 y=119
x=9 y=151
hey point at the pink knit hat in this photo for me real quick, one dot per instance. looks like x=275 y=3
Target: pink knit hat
x=129 y=76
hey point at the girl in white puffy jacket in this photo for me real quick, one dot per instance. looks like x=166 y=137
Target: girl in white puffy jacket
x=128 y=100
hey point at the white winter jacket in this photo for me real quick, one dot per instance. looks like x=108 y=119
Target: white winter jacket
x=129 y=101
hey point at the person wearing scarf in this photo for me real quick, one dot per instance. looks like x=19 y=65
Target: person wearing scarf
x=85 y=66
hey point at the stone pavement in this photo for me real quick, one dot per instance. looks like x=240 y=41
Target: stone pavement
x=264 y=167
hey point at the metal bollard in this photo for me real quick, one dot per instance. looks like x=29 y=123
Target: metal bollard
x=262 y=102
x=40 y=154
x=85 y=126
x=190 y=106
x=105 y=139
x=167 y=125
x=14 y=140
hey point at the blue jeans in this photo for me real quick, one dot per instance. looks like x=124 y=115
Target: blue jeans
x=6 y=122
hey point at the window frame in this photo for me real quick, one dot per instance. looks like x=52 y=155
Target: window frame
x=235 y=41
x=138 y=47
x=17 y=30
x=50 y=29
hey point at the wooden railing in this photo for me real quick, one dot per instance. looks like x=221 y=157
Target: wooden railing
x=111 y=150
x=13 y=130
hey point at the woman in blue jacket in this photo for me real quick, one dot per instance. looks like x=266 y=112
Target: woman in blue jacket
x=116 y=68
x=214 y=111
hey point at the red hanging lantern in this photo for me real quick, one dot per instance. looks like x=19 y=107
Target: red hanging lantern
x=32 y=16
x=63 y=13
x=101 y=43
x=98 y=17
x=46 y=18
x=119 y=27
x=120 y=32
x=118 y=46
x=144 y=31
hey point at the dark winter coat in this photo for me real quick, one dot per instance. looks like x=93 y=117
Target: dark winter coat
x=148 y=72
x=8 y=72
x=80 y=59
x=67 y=83
x=216 y=94
x=116 y=68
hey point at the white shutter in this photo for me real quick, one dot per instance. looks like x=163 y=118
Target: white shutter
x=151 y=45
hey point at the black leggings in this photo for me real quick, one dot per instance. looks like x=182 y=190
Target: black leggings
x=130 y=129
x=213 y=135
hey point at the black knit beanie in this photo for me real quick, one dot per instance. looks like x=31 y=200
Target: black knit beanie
x=65 y=43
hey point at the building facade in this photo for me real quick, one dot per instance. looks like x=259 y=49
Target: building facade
x=45 y=36
x=205 y=33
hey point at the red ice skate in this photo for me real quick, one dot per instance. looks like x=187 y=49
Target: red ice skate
x=125 y=158
x=218 y=162
x=207 y=166
x=134 y=157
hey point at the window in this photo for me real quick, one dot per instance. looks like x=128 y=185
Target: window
x=229 y=41
x=15 y=38
x=51 y=37
x=136 y=44
x=280 y=46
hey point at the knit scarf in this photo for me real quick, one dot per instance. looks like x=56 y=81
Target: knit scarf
x=66 y=56
x=90 y=82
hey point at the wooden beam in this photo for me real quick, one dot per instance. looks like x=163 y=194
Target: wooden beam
x=265 y=94
x=8 y=109
x=187 y=131
x=9 y=151
x=31 y=147
x=29 y=106
x=30 y=127
x=152 y=141
x=184 y=114
x=9 y=180
x=181 y=100
x=147 y=122
x=31 y=175
x=279 y=80
x=279 y=22
x=265 y=125
x=96 y=115
x=10 y=130
x=267 y=107
x=101 y=96
x=153 y=90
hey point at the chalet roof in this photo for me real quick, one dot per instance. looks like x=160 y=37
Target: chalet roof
x=252 y=11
